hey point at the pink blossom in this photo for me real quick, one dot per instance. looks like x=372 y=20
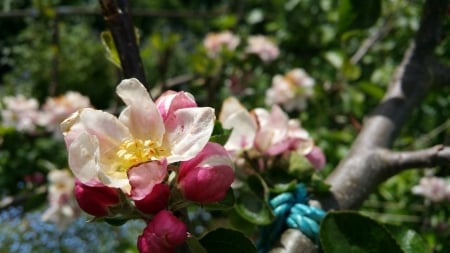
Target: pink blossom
x=206 y=177
x=290 y=90
x=20 y=113
x=216 y=42
x=266 y=132
x=62 y=208
x=433 y=188
x=132 y=151
x=163 y=234
x=96 y=198
x=56 y=109
x=262 y=47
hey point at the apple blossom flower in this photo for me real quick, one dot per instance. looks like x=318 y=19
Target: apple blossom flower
x=95 y=199
x=56 y=109
x=433 y=188
x=132 y=151
x=206 y=177
x=20 y=113
x=62 y=208
x=267 y=132
x=163 y=234
x=262 y=47
x=290 y=90
x=216 y=42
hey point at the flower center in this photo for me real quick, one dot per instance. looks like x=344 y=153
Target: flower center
x=134 y=151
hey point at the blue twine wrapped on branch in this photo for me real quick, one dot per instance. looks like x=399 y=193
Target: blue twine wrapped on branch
x=291 y=210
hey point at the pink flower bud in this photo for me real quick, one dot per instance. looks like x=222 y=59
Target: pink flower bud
x=155 y=201
x=207 y=177
x=316 y=157
x=163 y=234
x=95 y=199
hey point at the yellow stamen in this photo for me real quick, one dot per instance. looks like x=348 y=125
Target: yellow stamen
x=134 y=151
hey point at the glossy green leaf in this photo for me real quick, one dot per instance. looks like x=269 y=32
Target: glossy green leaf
x=344 y=232
x=409 y=240
x=253 y=208
x=226 y=241
x=356 y=14
x=111 y=51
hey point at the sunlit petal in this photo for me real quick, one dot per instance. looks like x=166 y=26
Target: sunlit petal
x=141 y=115
x=188 y=132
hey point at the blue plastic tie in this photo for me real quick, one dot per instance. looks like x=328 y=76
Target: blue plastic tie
x=291 y=209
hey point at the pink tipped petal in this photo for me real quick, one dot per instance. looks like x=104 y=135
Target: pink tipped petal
x=316 y=157
x=170 y=101
x=145 y=176
x=141 y=115
x=83 y=157
x=188 y=132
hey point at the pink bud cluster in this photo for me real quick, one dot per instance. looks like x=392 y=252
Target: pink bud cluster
x=24 y=114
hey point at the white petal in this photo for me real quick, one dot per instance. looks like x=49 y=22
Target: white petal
x=83 y=157
x=109 y=131
x=141 y=115
x=188 y=132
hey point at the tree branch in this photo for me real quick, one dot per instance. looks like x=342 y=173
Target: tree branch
x=118 y=20
x=399 y=161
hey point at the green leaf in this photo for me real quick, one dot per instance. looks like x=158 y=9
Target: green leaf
x=111 y=51
x=253 y=208
x=350 y=70
x=219 y=134
x=350 y=232
x=300 y=167
x=195 y=246
x=409 y=240
x=224 y=204
x=372 y=89
x=226 y=240
x=319 y=186
x=284 y=187
x=357 y=14
x=116 y=221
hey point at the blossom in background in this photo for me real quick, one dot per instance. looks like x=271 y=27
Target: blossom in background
x=262 y=47
x=62 y=208
x=56 y=109
x=20 y=113
x=132 y=152
x=207 y=177
x=267 y=132
x=290 y=90
x=162 y=234
x=433 y=188
x=216 y=42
